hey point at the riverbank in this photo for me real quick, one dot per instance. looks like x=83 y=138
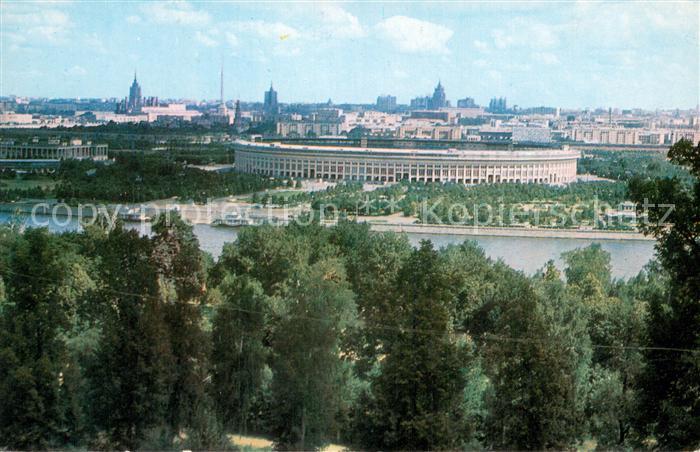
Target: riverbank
x=490 y=231
x=395 y=223
x=399 y=223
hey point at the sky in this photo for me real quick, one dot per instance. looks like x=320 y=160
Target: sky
x=560 y=54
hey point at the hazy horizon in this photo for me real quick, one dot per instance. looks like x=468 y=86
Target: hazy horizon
x=570 y=55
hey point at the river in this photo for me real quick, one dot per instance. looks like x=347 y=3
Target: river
x=522 y=253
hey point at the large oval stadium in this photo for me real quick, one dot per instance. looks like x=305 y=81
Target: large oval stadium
x=417 y=161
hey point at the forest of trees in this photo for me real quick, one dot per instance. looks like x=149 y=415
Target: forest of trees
x=624 y=165
x=311 y=335
x=135 y=177
x=487 y=205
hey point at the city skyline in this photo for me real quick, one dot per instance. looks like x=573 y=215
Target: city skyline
x=572 y=55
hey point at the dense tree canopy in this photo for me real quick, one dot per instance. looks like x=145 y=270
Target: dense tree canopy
x=136 y=177
x=671 y=384
x=310 y=335
x=416 y=398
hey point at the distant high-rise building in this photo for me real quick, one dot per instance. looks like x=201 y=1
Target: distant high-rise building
x=420 y=103
x=270 y=106
x=537 y=110
x=498 y=105
x=467 y=102
x=135 y=100
x=386 y=103
x=439 y=100
x=151 y=101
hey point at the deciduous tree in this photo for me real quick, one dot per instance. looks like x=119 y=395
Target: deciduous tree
x=239 y=355
x=416 y=400
x=316 y=306
x=671 y=384
x=130 y=376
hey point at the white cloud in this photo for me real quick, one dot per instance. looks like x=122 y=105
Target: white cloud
x=283 y=38
x=481 y=45
x=543 y=35
x=672 y=15
x=411 y=35
x=76 y=71
x=175 y=12
x=339 y=23
x=495 y=75
x=256 y=39
x=328 y=22
x=94 y=42
x=231 y=39
x=41 y=25
x=134 y=19
x=205 y=39
x=638 y=16
x=547 y=58
x=501 y=39
x=267 y=30
x=400 y=74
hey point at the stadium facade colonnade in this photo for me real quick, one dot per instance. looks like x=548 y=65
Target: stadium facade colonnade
x=471 y=166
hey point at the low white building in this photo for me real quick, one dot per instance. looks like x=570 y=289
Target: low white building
x=378 y=123
x=178 y=111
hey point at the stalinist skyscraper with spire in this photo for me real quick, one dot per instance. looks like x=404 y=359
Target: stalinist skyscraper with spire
x=135 y=99
x=271 y=108
x=133 y=103
x=439 y=100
